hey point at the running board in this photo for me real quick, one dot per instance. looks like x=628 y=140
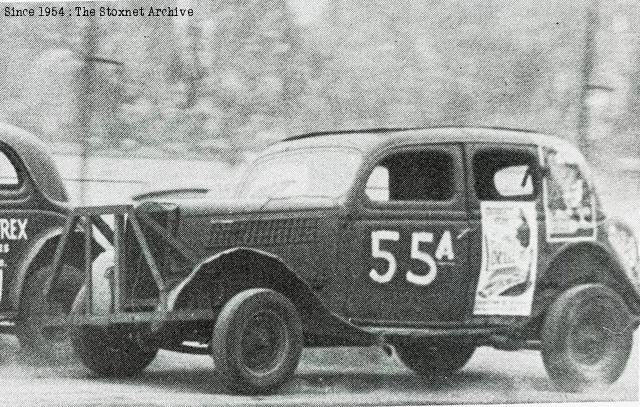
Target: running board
x=190 y=347
x=503 y=342
x=435 y=332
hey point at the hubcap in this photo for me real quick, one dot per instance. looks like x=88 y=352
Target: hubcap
x=591 y=337
x=264 y=342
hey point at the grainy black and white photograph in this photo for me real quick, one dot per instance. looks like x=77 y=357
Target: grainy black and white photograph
x=319 y=202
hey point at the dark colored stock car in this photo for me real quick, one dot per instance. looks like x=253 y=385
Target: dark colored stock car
x=432 y=241
x=33 y=210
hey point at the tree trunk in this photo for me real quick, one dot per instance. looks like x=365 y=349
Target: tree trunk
x=86 y=98
x=588 y=63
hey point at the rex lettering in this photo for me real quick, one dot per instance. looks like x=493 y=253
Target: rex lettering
x=13 y=229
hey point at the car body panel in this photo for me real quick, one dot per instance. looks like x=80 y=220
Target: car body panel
x=30 y=212
x=326 y=244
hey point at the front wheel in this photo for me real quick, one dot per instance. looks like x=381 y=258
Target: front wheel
x=111 y=351
x=586 y=338
x=439 y=358
x=257 y=341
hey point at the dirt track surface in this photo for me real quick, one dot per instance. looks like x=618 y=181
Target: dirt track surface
x=345 y=377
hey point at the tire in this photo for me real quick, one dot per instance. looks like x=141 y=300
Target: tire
x=40 y=345
x=257 y=340
x=111 y=351
x=586 y=337
x=434 y=358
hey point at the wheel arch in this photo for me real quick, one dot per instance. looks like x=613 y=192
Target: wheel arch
x=41 y=252
x=581 y=263
x=243 y=268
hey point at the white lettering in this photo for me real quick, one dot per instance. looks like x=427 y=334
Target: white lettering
x=432 y=269
x=4 y=229
x=13 y=229
x=22 y=233
x=444 y=250
x=445 y=247
x=376 y=252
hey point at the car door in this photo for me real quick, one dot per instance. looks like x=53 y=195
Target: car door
x=410 y=238
x=15 y=189
x=505 y=218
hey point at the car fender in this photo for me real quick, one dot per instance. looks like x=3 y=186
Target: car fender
x=622 y=224
x=316 y=316
x=579 y=256
x=27 y=258
x=176 y=291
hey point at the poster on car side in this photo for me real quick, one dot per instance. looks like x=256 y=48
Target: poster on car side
x=509 y=251
x=569 y=199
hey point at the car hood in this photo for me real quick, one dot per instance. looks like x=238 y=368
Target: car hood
x=205 y=224
x=231 y=207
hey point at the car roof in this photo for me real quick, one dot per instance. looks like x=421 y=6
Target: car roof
x=37 y=159
x=372 y=140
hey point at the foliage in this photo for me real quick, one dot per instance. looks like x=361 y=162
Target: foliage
x=241 y=74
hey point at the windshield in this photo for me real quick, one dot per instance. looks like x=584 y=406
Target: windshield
x=318 y=172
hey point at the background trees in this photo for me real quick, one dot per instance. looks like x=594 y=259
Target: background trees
x=240 y=74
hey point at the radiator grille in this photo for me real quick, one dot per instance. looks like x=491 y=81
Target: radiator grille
x=263 y=232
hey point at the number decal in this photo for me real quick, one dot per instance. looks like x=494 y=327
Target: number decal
x=432 y=268
x=376 y=252
x=445 y=247
x=443 y=250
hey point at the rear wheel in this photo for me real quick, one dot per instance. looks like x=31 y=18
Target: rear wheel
x=257 y=341
x=586 y=338
x=434 y=358
x=40 y=344
x=111 y=351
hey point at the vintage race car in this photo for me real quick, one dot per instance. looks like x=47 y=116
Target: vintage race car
x=430 y=241
x=33 y=210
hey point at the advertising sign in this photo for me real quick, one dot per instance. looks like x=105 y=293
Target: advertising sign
x=509 y=253
x=569 y=200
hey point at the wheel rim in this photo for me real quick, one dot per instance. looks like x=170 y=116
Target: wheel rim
x=264 y=342
x=591 y=338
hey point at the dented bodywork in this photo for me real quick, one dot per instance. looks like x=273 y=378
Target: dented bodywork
x=357 y=269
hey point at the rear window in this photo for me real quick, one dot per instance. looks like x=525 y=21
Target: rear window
x=8 y=175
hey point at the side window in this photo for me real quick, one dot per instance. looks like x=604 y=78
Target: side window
x=8 y=175
x=504 y=175
x=514 y=180
x=378 y=184
x=413 y=176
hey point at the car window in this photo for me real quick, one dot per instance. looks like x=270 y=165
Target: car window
x=318 y=172
x=413 y=176
x=514 y=180
x=8 y=175
x=504 y=174
x=378 y=184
